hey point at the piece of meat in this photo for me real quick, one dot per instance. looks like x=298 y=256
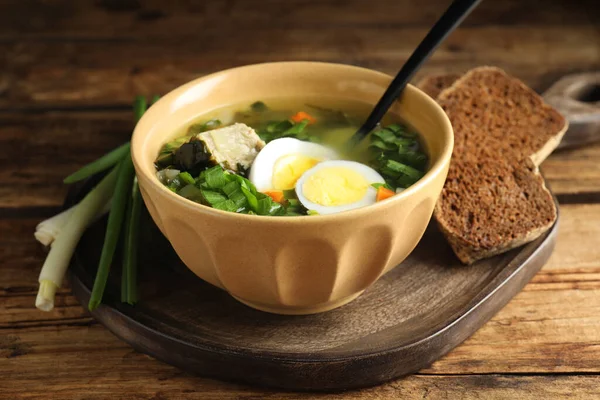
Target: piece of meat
x=233 y=146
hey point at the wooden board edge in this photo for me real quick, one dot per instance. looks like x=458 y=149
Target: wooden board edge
x=314 y=374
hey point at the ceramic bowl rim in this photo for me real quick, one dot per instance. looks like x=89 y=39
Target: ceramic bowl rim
x=140 y=136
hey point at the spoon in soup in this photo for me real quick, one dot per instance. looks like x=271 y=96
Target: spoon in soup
x=454 y=15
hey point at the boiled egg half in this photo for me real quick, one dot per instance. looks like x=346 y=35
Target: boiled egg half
x=338 y=185
x=279 y=165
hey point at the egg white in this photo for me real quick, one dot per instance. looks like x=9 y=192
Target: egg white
x=368 y=173
x=261 y=172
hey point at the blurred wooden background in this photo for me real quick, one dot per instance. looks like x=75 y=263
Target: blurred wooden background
x=69 y=71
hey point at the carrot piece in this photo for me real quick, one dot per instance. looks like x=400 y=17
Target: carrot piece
x=384 y=193
x=276 y=195
x=301 y=116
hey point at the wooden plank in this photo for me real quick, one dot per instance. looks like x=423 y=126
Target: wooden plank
x=83 y=73
x=21 y=258
x=87 y=362
x=574 y=170
x=548 y=330
x=20 y=312
x=49 y=147
x=575 y=252
x=155 y=18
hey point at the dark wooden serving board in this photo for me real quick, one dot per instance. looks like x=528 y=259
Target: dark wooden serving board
x=409 y=318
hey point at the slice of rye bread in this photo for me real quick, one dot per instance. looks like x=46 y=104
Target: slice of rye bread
x=433 y=85
x=491 y=206
x=495 y=199
x=490 y=110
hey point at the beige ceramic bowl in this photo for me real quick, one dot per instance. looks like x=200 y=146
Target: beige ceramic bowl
x=291 y=265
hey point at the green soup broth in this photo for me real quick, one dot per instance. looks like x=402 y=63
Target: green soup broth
x=393 y=149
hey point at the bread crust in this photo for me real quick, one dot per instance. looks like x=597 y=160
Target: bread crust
x=492 y=146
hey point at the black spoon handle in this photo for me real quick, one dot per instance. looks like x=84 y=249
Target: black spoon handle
x=453 y=16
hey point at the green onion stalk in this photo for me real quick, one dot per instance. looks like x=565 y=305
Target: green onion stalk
x=113 y=229
x=118 y=194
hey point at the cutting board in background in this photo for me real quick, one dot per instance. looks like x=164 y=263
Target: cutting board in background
x=577 y=97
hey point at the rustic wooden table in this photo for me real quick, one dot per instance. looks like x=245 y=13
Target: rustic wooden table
x=68 y=72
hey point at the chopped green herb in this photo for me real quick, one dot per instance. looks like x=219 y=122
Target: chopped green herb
x=164 y=160
x=278 y=127
x=263 y=206
x=227 y=191
x=293 y=213
x=213 y=198
x=285 y=128
x=333 y=118
x=258 y=106
x=175 y=184
x=173 y=145
x=401 y=130
x=239 y=199
x=206 y=126
x=191 y=192
x=405 y=181
x=290 y=194
x=385 y=135
x=378 y=185
x=226 y=205
x=294 y=202
x=397 y=156
x=296 y=129
x=231 y=188
x=216 y=177
x=186 y=177
x=380 y=144
x=412 y=158
x=251 y=197
x=399 y=168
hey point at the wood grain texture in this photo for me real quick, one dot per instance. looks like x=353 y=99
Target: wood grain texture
x=81 y=73
x=155 y=18
x=64 y=141
x=92 y=57
x=110 y=368
x=57 y=55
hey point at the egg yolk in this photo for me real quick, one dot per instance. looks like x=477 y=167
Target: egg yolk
x=289 y=168
x=335 y=186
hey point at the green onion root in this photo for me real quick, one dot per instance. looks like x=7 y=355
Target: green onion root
x=47 y=231
x=57 y=262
